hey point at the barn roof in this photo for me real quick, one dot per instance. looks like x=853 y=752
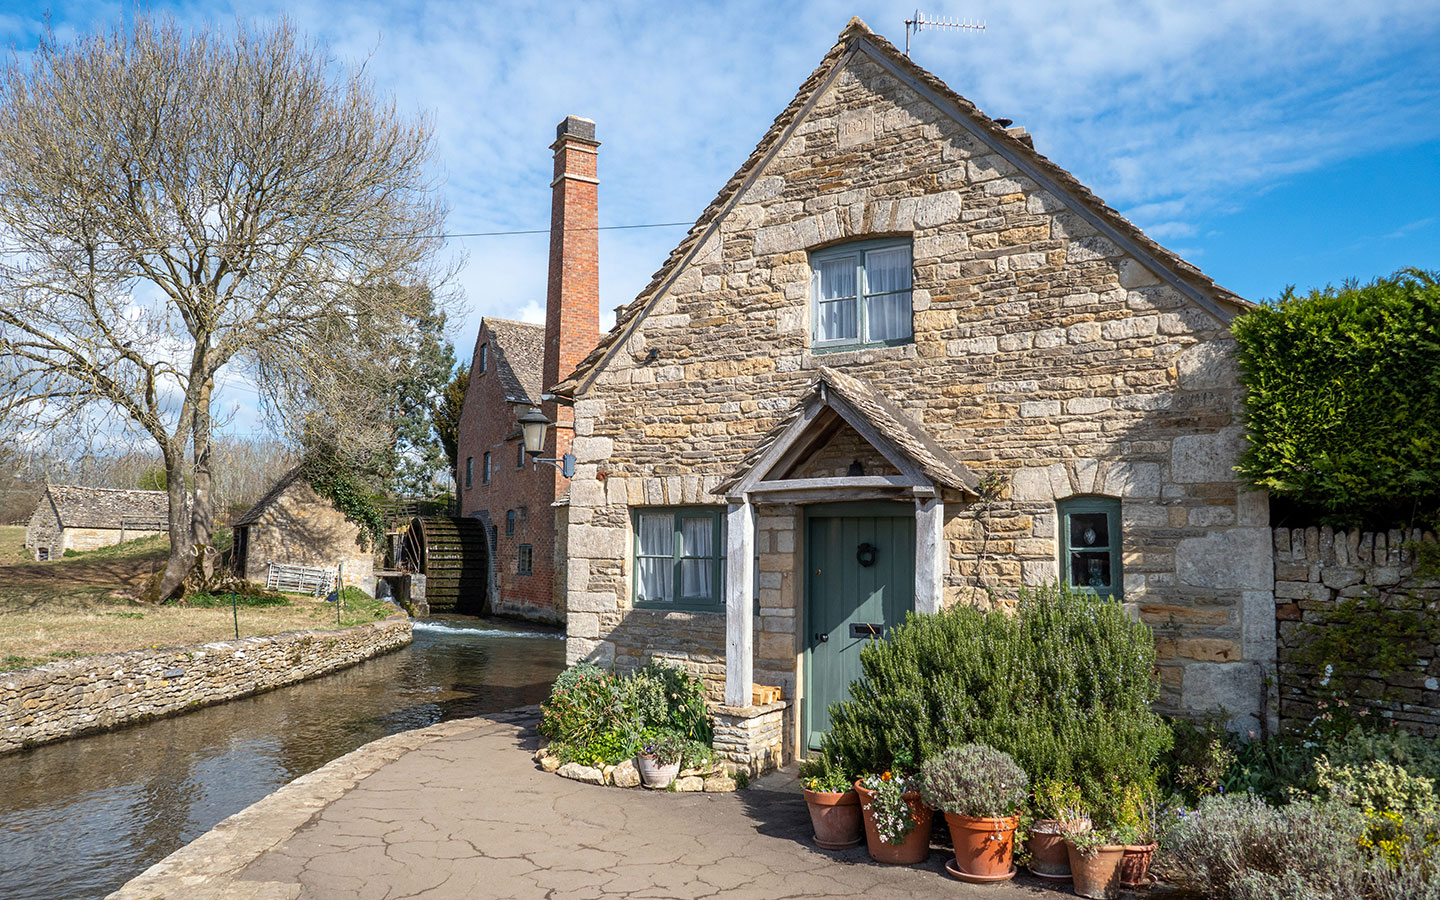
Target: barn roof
x=89 y=507
x=252 y=514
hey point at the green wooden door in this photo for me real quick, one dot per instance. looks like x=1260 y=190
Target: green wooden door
x=859 y=582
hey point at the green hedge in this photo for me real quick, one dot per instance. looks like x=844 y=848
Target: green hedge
x=1343 y=400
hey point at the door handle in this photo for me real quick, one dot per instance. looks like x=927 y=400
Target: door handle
x=822 y=637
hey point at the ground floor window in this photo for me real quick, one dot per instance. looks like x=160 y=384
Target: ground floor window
x=526 y=565
x=680 y=557
x=1090 y=545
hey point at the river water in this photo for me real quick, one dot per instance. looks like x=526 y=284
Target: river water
x=80 y=818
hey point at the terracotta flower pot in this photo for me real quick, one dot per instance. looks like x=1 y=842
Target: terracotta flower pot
x=984 y=847
x=1135 y=866
x=1096 y=874
x=1048 y=857
x=655 y=775
x=836 y=818
x=916 y=845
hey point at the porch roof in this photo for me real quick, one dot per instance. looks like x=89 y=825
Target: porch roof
x=884 y=425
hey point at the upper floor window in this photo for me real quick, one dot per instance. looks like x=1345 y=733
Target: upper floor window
x=1090 y=545
x=469 y=470
x=509 y=523
x=482 y=359
x=680 y=557
x=861 y=294
x=485 y=468
x=519 y=454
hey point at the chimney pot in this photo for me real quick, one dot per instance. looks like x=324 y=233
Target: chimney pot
x=575 y=126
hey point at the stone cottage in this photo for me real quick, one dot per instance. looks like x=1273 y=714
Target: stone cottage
x=71 y=517
x=294 y=525
x=902 y=361
x=520 y=501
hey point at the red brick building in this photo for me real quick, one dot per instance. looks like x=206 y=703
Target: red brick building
x=510 y=371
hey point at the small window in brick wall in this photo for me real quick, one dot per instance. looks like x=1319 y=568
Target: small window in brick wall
x=1090 y=545
x=509 y=523
x=482 y=359
x=469 y=471
x=485 y=468
x=519 y=454
x=527 y=560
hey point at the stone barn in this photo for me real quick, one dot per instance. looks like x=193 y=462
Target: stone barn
x=70 y=517
x=904 y=360
x=294 y=525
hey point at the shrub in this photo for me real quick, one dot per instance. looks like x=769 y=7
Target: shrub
x=1237 y=847
x=586 y=704
x=1377 y=787
x=1064 y=686
x=1200 y=756
x=672 y=698
x=1342 y=399
x=974 y=780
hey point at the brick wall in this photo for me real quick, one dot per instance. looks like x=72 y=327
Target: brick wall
x=1317 y=569
x=98 y=693
x=1042 y=351
x=488 y=423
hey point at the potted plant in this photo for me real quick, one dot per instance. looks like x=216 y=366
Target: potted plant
x=1055 y=804
x=659 y=759
x=1136 y=830
x=1095 y=858
x=897 y=823
x=834 y=806
x=980 y=790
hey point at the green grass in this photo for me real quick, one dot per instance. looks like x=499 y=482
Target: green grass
x=12 y=545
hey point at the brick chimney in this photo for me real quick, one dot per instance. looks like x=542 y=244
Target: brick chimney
x=572 y=304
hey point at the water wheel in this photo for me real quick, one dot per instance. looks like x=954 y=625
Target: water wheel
x=453 y=554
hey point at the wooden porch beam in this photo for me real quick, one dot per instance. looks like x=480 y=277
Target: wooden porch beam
x=739 y=603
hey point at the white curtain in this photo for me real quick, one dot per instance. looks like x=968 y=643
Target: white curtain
x=657 y=557
x=836 y=308
x=887 y=294
x=697 y=555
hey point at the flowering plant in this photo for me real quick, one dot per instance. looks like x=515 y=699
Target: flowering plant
x=665 y=747
x=894 y=819
x=974 y=780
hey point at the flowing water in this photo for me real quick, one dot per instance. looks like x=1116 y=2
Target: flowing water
x=80 y=818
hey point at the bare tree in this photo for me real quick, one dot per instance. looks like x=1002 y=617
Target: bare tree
x=176 y=204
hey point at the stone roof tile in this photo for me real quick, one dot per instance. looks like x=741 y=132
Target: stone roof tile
x=88 y=507
x=518 y=357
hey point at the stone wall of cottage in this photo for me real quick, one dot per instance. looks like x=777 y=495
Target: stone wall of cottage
x=42 y=532
x=302 y=528
x=72 y=697
x=1317 y=570
x=1041 y=351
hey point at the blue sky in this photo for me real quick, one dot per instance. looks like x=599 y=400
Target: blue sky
x=1270 y=143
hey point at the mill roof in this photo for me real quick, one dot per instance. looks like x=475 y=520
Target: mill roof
x=517 y=357
x=252 y=515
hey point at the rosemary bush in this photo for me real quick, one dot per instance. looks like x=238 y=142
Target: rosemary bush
x=1064 y=686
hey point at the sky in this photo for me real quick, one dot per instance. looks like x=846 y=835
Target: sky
x=1294 y=142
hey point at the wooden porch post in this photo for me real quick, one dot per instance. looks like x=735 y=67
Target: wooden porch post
x=930 y=555
x=739 y=603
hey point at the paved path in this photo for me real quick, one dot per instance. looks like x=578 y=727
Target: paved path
x=460 y=811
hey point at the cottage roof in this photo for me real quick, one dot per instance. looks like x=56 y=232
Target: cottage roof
x=252 y=515
x=858 y=38
x=517 y=357
x=886 y=422
x=88 y=507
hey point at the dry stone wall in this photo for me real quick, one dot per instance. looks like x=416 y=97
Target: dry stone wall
x=1041 y=351
x=1317 y=570
x=98 y=693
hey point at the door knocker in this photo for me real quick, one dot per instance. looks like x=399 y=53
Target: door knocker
x=865 y=554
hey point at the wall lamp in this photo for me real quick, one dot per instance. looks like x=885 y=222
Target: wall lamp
x=532 y=426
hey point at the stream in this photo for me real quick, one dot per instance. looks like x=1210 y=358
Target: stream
x=80 y=818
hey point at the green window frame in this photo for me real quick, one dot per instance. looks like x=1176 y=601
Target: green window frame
x=1090 y=545
x=861 y=295
x=525 y=564
x=679 y=558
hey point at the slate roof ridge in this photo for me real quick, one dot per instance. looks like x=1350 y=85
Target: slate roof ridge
x=855 y=31
x=251 y=515
x=909 y=437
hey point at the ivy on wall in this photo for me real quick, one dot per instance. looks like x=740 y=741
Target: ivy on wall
x=1343 y=400
x=348 y=494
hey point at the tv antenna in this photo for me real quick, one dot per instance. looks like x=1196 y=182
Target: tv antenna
x=920 y=23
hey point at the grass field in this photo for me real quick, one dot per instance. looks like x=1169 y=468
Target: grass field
x=83 y=605
x=12 y=545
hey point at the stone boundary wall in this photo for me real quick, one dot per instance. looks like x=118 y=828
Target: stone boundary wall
x=99 y=693
x=1318 y=568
